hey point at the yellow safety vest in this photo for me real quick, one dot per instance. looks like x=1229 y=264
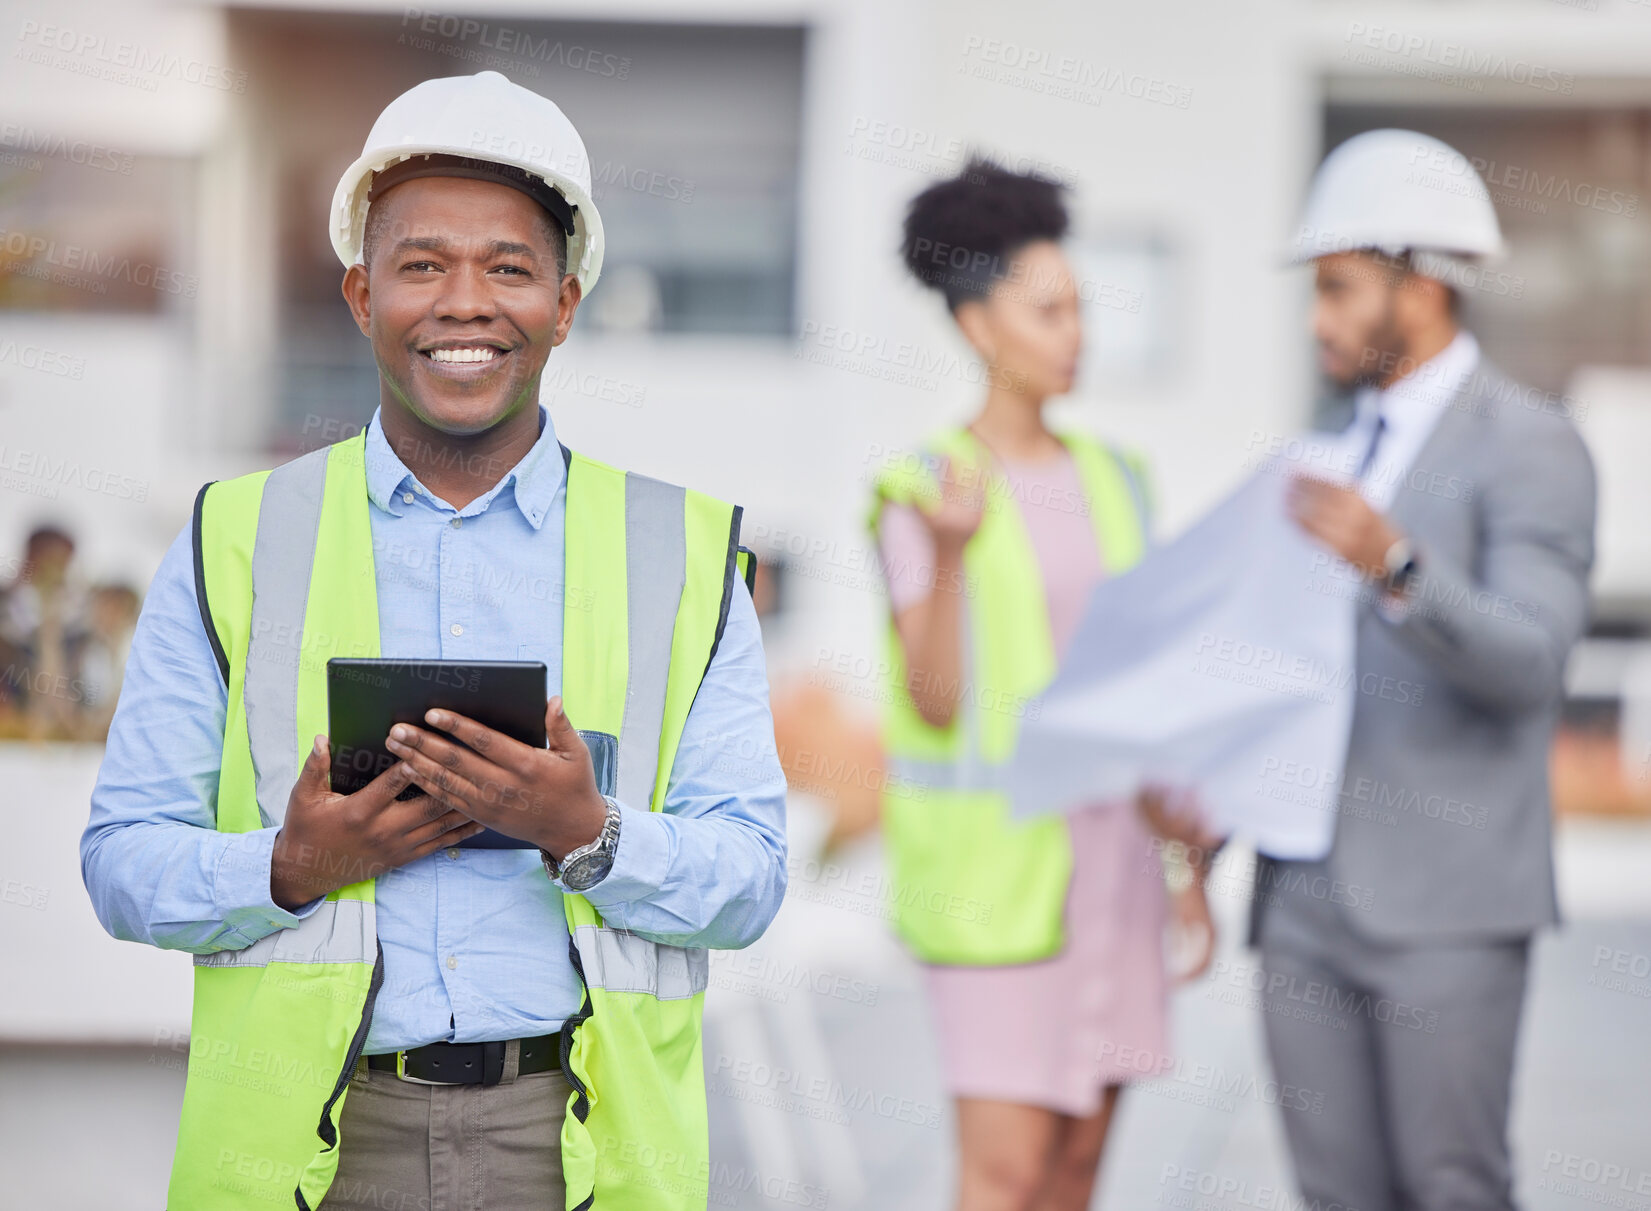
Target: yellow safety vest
x=971 y=885
x=284 y=570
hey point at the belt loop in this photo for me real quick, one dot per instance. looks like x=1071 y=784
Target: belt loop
x=512 y=1061
x=492 y=1062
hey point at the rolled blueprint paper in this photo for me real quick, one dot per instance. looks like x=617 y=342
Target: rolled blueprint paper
x=1223 y=661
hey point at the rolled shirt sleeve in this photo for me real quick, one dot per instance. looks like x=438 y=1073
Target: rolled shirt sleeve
x=710 y=869
x=155 y=865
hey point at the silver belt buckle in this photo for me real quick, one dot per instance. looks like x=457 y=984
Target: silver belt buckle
x=401 y=1073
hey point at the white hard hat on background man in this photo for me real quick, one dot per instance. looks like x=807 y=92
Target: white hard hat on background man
x=484 y=117
x=1398 y=191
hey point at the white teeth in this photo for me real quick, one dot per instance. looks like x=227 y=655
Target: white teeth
x=482 y=353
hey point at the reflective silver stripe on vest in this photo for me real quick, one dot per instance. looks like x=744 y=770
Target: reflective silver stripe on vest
x=289 y=518
x=338 y=931
x=1137 y=492
x=656 y=554
x=962 y=775
x=626 y=962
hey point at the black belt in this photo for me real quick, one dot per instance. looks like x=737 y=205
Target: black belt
x=468 y=1063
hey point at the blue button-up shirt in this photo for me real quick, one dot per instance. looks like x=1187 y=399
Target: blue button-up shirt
x=475 y=941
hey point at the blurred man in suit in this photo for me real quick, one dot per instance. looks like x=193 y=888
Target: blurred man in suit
x=1396 y=965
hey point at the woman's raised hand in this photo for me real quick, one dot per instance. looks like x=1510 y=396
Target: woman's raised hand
x=955 y=516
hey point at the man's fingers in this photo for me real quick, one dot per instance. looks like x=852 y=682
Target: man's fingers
x=312 y=778
x=1313 y=497
x=504 y=751
x=439 y=796
x=564 y=739
x=559 y=729
x=383 y=789
x=442 y=785
x=412 y=813
x=428 y=751
x=455 y=823
x=1315 y=524
x=1315 y=485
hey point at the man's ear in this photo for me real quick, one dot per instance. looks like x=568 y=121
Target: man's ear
x=1435 y=293
x=567 y=302
x=358 y=296
x=1418 y=301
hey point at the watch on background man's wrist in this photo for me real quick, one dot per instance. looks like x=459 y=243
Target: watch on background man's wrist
x=586 y=866
x=1399 y=565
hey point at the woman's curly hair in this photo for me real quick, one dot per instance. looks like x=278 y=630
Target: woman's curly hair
x=963 y=232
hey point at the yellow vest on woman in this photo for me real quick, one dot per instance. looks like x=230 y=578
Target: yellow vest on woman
x=971 y=885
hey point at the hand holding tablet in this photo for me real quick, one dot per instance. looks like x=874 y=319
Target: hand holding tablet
x=481 y=739
x=366 y=698
x=432 y=754
x=546 y=798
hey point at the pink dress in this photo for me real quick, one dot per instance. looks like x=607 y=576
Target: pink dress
x=1054 y=1033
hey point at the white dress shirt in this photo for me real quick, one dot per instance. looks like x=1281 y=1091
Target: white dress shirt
x=1410 y=408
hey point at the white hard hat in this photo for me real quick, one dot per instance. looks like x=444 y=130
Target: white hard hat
x=1399 y=191
x=481 y=117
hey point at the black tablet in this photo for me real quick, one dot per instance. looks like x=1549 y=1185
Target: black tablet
x=365 y=697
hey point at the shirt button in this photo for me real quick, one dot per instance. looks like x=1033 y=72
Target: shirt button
x=452 y=962
x=453 y=853
x=406 y=498
x=456 y=629
x=456 y=522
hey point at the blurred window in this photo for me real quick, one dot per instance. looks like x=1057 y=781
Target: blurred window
x=92 y=228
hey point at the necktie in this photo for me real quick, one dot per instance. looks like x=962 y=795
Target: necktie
x=1370 y=451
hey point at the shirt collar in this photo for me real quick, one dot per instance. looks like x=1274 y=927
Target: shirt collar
x=1420 y=396
x=533 y=482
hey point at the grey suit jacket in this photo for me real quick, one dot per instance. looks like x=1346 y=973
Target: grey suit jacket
x=1443 y=826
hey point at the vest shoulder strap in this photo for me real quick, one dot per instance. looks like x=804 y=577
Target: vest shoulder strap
x=909 y=477
x=681 y=556
x=718 y=517
x=703 y=515
x=201 y=599
x=224 y=521
x=1131 y=464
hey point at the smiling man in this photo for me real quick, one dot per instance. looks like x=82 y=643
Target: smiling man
x=384 y=1017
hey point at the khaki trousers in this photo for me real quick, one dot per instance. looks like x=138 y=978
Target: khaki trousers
x=411 y=1147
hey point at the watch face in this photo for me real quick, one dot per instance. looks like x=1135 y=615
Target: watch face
x=586 y=871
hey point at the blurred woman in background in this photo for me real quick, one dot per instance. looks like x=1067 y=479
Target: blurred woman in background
x=1043 y=940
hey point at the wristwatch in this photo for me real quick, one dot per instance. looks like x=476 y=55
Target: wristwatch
x=585 y=867
x=1400 y=565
